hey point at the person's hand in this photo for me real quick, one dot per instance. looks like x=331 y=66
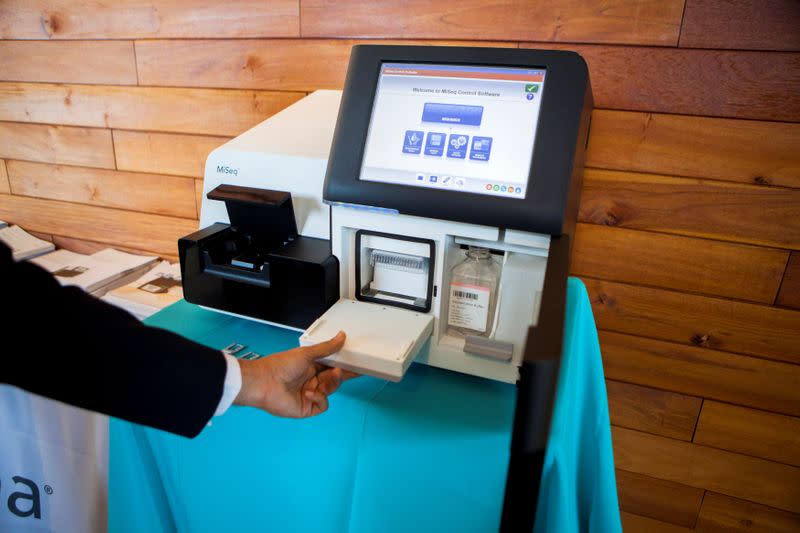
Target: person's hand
x=292 y=383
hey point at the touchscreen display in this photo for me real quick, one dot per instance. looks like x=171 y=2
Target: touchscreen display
x=455 y=127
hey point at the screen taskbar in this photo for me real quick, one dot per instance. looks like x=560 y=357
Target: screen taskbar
x=445 y=182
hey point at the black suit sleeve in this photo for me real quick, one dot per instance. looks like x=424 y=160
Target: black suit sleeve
x=65 y=344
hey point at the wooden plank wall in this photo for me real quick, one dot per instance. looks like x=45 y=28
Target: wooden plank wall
x=689 y=233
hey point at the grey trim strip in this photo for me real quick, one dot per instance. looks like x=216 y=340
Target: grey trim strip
x=489 y=347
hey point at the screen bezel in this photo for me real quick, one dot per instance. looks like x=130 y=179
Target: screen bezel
x=555 y=142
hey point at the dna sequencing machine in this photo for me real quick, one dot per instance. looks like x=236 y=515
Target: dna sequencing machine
x=427 y=210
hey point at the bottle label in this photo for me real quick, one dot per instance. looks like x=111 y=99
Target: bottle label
x=469 y=306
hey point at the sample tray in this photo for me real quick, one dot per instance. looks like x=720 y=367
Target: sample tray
x=382 y=340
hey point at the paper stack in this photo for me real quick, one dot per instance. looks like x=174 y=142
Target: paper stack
x=23 y=245
x=152 y=292
x=96 y=273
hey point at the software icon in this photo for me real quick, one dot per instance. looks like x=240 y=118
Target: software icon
x=458 y=142
x=412 y=142
x=457 y=146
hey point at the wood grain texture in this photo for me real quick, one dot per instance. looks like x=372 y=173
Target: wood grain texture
x=109 y=62
x=653 y=411
x=247 y=64
x=789 y=295
x=166 y=153
x=694 y=320
x=82 y=246
x=685 y=263
x=57 y=144
x=758 y=433
x=747 y=151
x=4 y=186
x=140 y=231
x=632 y=523
x=701 y=372
x=285 y=64
x=135 y=19
x=740 y=476
x=204 y=111
x=722 y=513
x=43 y=236
x=658 y=499
x=737 y=84
x=149 y=193
x=741 y=24
x=615 y=21
x=198 y=195
x=695 y=207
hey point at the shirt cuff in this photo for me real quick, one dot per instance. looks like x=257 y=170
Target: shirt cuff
x=232 y=386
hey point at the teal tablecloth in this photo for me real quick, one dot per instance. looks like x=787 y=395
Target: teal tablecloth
x=427 y=454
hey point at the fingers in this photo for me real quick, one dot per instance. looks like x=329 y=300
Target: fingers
x=317 y=403
x=324 y=349
x=330 y=379
x=317 y=390
x=346 y=374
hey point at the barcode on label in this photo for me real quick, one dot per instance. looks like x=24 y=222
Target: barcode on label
x=468 y=295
